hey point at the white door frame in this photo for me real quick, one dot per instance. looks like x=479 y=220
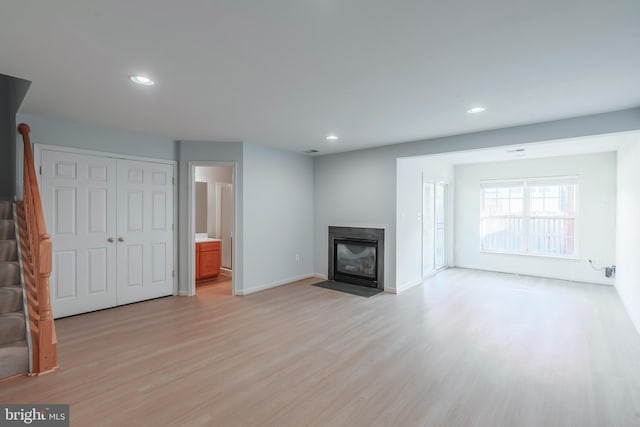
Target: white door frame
x=37 y=159
x=191 y=223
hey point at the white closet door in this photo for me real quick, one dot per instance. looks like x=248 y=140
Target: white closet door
x=145 y=236
x=79 y=195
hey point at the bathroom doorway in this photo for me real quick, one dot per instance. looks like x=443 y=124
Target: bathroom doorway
x=213 y=186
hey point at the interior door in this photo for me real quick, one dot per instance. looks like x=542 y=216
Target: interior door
x=145 y=235
x=79 y=196
x=428 y=231
x=226 y=223
x=441 y=226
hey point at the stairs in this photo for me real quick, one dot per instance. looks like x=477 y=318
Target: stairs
x=14 y=353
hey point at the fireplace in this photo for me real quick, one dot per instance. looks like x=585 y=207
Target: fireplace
x=356 y=255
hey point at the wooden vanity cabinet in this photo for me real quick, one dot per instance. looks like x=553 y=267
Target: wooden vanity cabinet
x=207 y=260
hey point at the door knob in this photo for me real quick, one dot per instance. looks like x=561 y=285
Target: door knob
x=120 y=239
x=110 y=240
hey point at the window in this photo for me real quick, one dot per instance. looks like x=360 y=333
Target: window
x=529 y=216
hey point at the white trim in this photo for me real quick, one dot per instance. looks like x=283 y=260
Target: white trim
x=407 y=285
x=37 y=159
x=320 y=276
x=38 y=146
x=191 y=220
x=275 y=284
x=226 y=270
x=567 y=257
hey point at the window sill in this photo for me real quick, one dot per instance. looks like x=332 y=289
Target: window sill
x=565 y=257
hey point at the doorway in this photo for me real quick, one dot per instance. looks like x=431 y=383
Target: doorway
x=434 y=227
x=213 y=225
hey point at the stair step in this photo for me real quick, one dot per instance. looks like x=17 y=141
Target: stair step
x=9 y=273
x=12 y=328
x=14 y=359
x=10 y=299
x=8 y=250
x=7 y=229
x=6 y=210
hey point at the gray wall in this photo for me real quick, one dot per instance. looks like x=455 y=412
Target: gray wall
x=12 y=92
x=359 y=187
x=66 y=133
x=189 y=151
x=278 y=217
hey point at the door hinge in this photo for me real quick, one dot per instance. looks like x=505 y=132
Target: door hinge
x=173 y=273
x=40 y=169
x=173 y=180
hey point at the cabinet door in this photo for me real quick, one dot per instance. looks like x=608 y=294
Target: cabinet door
x=209 y=263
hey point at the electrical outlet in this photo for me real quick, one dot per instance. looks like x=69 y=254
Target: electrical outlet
x=297 y=257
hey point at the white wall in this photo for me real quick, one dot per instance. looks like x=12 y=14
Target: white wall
x=359 y=187
x=628 y=229
x=278 y=217
x=596 y=216
x=212 y=175
x=411 y=173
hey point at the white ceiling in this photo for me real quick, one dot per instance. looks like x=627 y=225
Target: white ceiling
x=287 y=73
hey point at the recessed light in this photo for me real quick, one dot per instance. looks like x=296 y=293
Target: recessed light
x=142 y=80
x=476 y=110
x=332 y=137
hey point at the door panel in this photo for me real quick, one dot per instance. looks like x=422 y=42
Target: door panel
x=226 y=223
x=440 y=226
x=78 y=195
x=145 y=235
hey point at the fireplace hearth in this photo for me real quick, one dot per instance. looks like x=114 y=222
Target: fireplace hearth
x=356 y=255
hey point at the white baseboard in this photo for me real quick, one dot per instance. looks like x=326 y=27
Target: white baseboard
x=274 y=284
x=404 y=286
x=183 y=293
x=320 y=276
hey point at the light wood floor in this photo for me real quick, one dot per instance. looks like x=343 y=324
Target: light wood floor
x=466 y=348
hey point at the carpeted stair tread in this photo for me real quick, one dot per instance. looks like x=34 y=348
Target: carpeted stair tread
x=6 y=210
x=10 y=299
x=7 y=229
x=12 y=327
x=8 y=250
x=14 y=359
x=9 y=273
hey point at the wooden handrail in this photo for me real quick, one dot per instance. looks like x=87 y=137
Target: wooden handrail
x=36 y=260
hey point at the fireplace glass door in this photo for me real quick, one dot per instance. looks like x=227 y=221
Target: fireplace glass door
x=356 y=259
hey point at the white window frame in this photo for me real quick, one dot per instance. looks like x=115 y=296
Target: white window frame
x=526 y=183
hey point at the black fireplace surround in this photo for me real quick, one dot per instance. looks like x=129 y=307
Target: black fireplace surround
x=356 y=255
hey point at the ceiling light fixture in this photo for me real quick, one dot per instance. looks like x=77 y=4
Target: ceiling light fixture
x=476 y=110
x=332 y=138
x=141 y=80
